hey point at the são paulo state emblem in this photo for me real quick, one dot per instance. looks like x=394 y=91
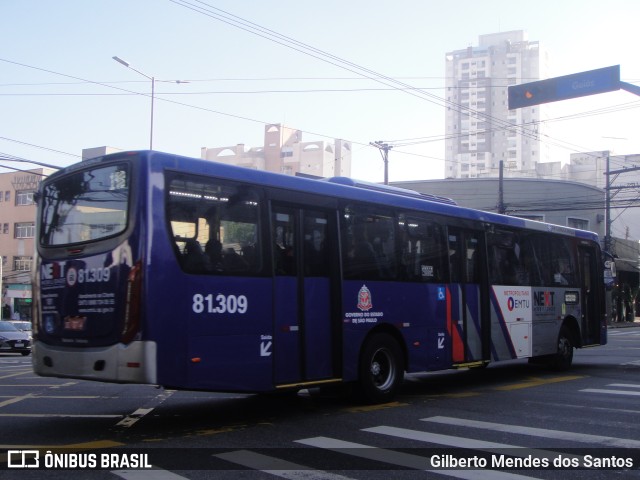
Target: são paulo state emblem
x=364 y=299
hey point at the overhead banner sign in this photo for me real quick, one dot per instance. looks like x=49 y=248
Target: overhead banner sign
x=575 y=85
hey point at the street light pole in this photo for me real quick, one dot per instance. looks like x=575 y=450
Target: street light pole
x=153 y=93
x=153 y=96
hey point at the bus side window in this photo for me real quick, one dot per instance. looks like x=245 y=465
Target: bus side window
x=464 y=257
x=556 y=263
x=566 y=267
x=472 y=257
x=361 y=256
x=369 y=239
x=316 y=252
x=214 y=225
x=455 y=256
x=194 y=260
x=284 y=241
x=507 y=259
x=500 y=271
x=424 y=252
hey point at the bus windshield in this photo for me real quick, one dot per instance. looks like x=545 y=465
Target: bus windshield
x=83 y=206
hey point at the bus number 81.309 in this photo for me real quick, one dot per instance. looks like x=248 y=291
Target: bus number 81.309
x=220 y=303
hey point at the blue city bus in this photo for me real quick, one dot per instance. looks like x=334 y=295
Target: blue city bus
x=159 y=269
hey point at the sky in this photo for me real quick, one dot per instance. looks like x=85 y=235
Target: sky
x=61 y=91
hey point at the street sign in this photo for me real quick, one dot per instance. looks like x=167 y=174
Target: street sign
x=563 y=88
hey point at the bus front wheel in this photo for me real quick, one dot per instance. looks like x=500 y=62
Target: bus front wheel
x=381 y=369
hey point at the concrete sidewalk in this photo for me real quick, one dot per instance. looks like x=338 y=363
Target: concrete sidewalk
x=636 y=323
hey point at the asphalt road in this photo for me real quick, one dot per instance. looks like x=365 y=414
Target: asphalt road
x=522 y=420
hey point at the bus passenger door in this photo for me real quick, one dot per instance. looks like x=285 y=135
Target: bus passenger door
x=468 y=317
x=304 y=345
x=590 y=300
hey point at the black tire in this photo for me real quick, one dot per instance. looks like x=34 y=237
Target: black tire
x=381 y=369
x=564 y=356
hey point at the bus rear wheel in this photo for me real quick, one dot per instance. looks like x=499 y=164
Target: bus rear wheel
x=564 y=356
x=381 y=369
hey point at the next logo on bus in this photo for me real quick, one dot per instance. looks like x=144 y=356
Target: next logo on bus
x=543 y=299
x=51 y=271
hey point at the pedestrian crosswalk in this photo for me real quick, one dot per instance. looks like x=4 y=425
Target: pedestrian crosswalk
x=428 y=432
x=353 y=455
x=403 y=460
x=411 y=446
x=275 y=466
x=414 y=449
x=624 y=333
x=625 y=389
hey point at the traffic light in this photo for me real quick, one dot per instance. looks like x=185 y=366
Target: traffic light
x=529 y=94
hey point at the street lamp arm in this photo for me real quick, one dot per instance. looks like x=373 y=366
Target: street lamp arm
x=153 y=89
x=128 y=65
x=121 y=61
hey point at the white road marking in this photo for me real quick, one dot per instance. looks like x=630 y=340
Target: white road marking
x=133 y=418
x=277 y=467
x=538 y=432
x=147 y=475
x=404 y=459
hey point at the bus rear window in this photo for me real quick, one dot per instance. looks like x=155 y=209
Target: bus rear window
x=85 y=206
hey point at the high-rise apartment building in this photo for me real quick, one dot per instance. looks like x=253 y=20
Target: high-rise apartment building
x=480 y=129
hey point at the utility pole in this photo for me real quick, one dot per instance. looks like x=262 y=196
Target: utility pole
x=608 y=173
x=501 y=208
x=607 y=209
x=384 y=151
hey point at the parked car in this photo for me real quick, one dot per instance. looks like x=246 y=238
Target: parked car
x=23 y=325
x=14 y=340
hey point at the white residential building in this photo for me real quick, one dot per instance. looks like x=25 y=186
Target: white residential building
x=480 y=128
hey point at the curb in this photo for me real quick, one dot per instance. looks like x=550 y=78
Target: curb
x=623 y=324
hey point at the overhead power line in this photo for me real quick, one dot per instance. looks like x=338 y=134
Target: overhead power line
x=281 y=39
x=39 y=146
x=228 y=18
x=12 y=158
x=203 y=8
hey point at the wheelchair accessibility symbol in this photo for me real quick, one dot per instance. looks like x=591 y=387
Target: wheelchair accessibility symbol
x=441 y=294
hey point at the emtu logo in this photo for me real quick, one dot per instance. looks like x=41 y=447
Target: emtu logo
x=512 y=304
